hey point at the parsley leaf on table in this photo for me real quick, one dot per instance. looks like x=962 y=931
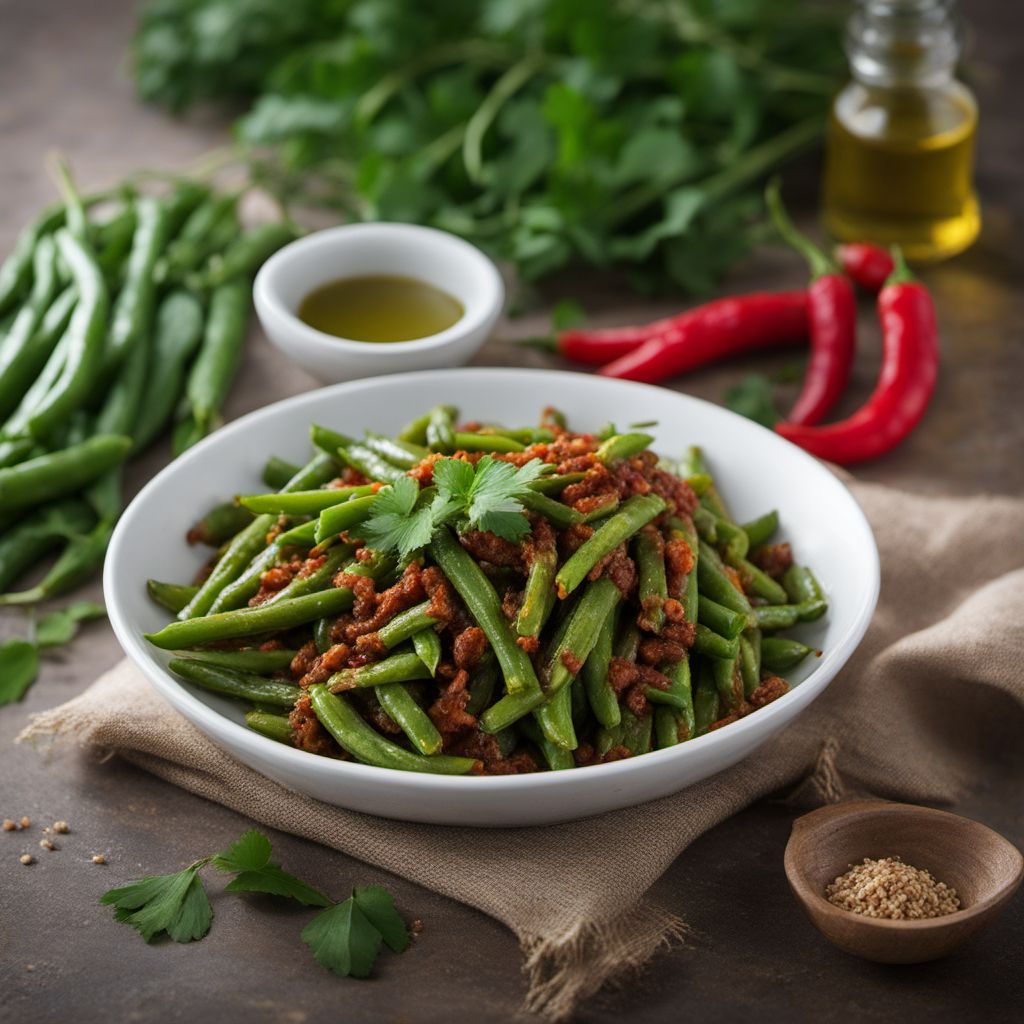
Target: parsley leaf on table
x=19 y=659
x=19 y=666
x=752 y=398
x=378 y=906
x=59 y=627
x=249 y=856
x=176 y=904
x=343 y=940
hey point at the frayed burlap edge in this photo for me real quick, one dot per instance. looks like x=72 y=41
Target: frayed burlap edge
x=564 y=969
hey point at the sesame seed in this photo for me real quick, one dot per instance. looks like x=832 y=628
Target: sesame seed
x=98 y=858
x=26 y=858
x=891 y=889
x=61 y=827
x=47 y=844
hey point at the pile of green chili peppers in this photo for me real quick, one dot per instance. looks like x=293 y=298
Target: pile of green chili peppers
x=121 y=314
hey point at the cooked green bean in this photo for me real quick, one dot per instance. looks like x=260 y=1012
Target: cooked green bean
x=785 y=616
x=395 y=668
x=729 y=682
x=604 y=701
x=277 y=472
x=637 y=512
x=270 y=618
x=556 y=757
x=464 y=441
x=440 y=432
x=759 y=531
x=303 y=503
x=427 y=645
x=352 y=734
x=338 y=518
x=555 y=512
x=252 y=540
x=220 y=524
x=233 y=683
x=402 y=454
x=328 y=441
x=623 y=446
x=636 y=732
x=538 y=595
x=666 y=728
x=779 y=654
x=172 y=596
x=480 y=598
x=266 y=723
x=720 y=619
x=653 y=588
x=712 y=645
x=750 y=660
x=397 y=700
x=801 y=585
x=369 y=463
x=705 y=699
x=250 y=660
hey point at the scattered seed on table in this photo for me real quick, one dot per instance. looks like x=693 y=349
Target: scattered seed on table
x=98 y=858
x=26 y=821
x=47 y=844
x=9 y=826
x=61 y=827
x=26 y=858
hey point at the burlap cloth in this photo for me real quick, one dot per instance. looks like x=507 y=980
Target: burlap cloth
x=904 y=719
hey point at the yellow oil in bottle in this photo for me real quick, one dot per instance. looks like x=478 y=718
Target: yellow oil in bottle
x=900 y=151
x=899 y=170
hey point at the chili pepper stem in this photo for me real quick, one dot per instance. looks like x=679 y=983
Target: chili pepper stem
x=901 y=273
x=819 y=261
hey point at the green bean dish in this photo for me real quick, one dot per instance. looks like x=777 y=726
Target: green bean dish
x=467 y=598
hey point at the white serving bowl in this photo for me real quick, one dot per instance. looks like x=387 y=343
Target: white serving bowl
x=356 y=250
x=756 y=470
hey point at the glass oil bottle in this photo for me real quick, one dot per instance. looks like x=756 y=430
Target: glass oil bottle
x=900 y=151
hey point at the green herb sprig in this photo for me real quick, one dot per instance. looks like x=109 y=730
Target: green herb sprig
x=486 y=495
x=346 y=937
x=550 y=132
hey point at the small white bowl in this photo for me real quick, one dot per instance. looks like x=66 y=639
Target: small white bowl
x=355 y=250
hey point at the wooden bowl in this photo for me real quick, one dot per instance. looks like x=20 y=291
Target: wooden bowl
x=983 y=868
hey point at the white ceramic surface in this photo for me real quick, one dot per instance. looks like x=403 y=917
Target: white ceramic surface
x=353 y=250
x=755 y=468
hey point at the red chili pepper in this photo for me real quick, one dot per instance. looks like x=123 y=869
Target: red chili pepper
x=910 y=363
x=722 y=328
x=832 y=317
x=599 y=346
x=869 y=266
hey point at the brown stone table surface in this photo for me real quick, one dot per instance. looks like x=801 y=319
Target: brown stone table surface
x=63 y=84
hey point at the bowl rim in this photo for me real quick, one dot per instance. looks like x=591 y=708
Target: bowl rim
x=268 y=299
x=877 y=808
x=135 y=646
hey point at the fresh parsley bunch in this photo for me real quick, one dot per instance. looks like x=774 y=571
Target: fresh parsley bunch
x=345 y=937
x=486 y=496
x=547 y=131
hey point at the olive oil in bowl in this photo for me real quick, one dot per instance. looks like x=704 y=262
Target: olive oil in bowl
x=380 y=308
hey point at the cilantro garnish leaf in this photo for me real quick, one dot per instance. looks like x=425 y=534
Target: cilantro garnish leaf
x=487 y=495
x=176 y=904
x=378 y=906
x=343 y=940
x=393 y=525
x=249 y=856
x=494 y=503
